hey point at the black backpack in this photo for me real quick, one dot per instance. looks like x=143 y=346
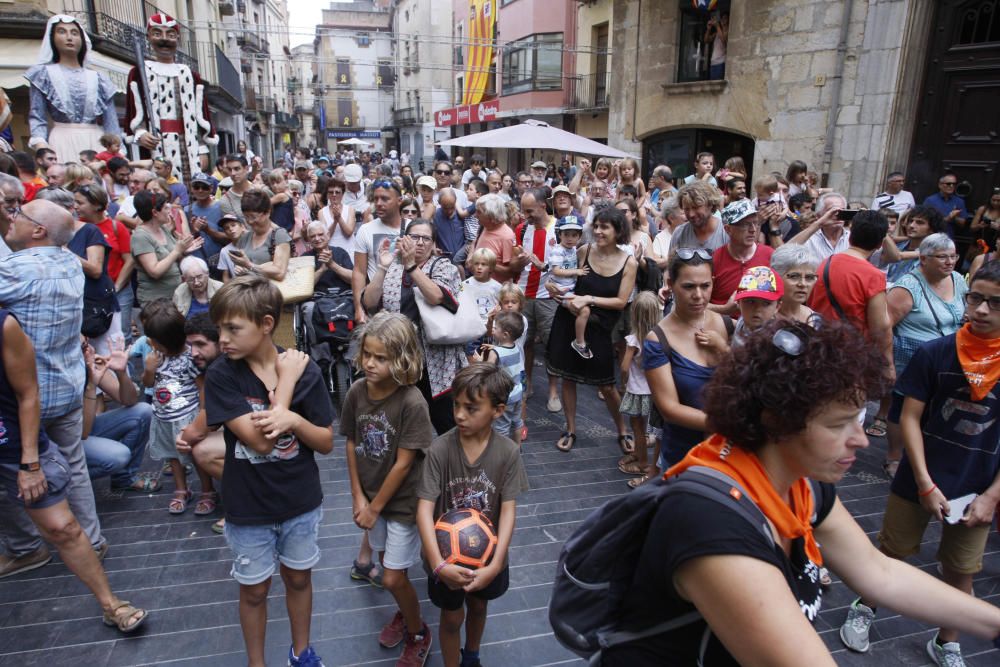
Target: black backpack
x=333 y=316
x=598 y=563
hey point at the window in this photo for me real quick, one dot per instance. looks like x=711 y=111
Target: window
x=343 y=72
x=460 y=97
x=386 y=76
x=695 y=53
x=533 y=63
x=363 y=39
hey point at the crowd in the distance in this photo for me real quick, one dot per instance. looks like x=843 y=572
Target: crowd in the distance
x=146 y=309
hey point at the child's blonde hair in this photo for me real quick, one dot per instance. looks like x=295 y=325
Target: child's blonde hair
x=275 y=176
x=629 y=162
x=646 y=311
x=766 y=185
x=397 y=334
x=484 y=255
x=511 y=290
x=605 y=162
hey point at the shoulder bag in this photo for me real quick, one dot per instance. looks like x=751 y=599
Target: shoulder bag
x=441 y=326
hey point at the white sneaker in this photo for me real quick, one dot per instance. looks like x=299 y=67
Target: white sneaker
x=854 y=631
x=949 y=655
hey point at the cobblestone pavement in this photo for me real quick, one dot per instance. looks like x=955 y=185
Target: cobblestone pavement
x=179 y=569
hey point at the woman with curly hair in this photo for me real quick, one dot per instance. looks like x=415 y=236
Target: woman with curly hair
x=784 y=412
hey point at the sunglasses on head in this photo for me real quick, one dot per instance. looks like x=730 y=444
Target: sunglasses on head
x=385 y=183
x=687 y=254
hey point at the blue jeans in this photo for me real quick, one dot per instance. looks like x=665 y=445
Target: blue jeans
x=117 y=443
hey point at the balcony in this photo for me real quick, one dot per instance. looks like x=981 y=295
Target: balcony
x=267 y=105
x=588 y=92
x=250 y=40
x=226 y=8
x=407 y=116
x=302 y=110
x=249 y=98
x=114 y=26
x=286 y=120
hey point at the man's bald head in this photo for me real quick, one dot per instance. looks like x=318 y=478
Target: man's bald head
x=54 y=219
x=447 y=198
x=533 y=207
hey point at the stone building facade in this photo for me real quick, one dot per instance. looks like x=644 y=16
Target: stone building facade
x=848 y=86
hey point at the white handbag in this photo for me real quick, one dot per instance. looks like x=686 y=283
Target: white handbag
x=441 y=326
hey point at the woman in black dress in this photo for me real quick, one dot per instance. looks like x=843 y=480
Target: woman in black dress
x=605 y=289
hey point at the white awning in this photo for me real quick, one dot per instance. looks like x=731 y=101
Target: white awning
x=17 y=55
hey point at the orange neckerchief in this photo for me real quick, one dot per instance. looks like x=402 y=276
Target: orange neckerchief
x=746 y=468
x=980 y=360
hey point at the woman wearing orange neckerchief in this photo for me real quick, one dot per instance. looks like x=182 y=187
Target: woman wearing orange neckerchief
x=950 y=429
x=784 y=411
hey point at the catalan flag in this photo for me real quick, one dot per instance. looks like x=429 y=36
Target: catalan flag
x=482 y=23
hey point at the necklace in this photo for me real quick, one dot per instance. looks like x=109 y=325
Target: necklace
x=698 y=327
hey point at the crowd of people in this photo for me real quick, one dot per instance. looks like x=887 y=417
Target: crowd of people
x=725 y=321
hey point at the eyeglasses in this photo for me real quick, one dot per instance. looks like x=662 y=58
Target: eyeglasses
x=801 y=277
x=975 y=299
x=200 y=186
x=443 y=172
x=687 y=254
x=945 y=258
x=421 y=238
x=12 y=202
x=20 y=212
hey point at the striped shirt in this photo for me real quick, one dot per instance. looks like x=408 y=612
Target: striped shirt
x=43 y=287
x=509 y=359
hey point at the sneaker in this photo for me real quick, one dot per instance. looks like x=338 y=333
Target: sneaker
x=30 y=561
x=416 y=650
x=469 y=662
x=949 y=655
x=393 y=632
x=307 y=658
x=854 y=631
x=371 y=573
x=554 y=404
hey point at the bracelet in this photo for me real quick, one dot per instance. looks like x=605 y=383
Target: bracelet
x=410 y=269
x=91 y=398
x=440 y=567
x=924 y=494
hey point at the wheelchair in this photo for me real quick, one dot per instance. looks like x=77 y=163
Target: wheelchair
x=335 y=361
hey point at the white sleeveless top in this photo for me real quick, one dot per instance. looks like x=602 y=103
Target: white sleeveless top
x=338 y=239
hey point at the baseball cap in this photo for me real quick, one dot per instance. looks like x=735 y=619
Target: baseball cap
x=323 y=158
x=538 y=164
x=204 y=179
x=560 y=188
x=760 y=282
x=737 y=211
x=227 y=182
x=352 y=173
x=569 y=222
x=302 y=164
x=427 y=181
x=228 y=217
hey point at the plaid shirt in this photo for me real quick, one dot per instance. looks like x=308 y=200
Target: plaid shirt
x=43 y=287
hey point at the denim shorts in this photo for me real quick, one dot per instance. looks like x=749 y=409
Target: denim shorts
x=510 y=421
x=400 y=543
x=294 y=542
x=56 y=477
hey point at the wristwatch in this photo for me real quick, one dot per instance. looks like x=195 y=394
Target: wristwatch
x=34 y=466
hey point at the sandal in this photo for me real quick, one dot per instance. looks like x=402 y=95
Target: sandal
x=219 y=527
x=120 y=616
x=889 y=468
x=634 y=468
x=625 y=460
x=877 y=428
x=582 y=350
x=636 y=482
x=626 y=443
x=566 y=441
x=206 y=503
x=369 y=573
x=179 y=503
x=145 y=482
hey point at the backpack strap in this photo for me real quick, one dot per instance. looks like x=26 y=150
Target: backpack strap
x=661 y=335
x=730 y=325
x=829 y=292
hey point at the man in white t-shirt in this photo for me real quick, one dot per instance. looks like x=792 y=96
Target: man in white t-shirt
x=355 y=194
x=894 y=196
x=369 y=236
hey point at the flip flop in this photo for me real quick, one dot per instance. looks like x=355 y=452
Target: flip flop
x=566 y=441
x=634 y=468
x=626 y=443
x=625 y=460
x=636 y=482
x=877 y=429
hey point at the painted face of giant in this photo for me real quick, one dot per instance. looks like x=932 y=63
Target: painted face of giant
x=163 y=37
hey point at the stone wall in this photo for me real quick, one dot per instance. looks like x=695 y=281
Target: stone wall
x=813 y=80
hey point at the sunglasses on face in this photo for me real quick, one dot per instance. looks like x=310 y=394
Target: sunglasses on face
x=687 y=254
x=443 y=172
x=411 y=211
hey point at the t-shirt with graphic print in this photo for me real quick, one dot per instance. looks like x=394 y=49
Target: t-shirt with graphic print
x=961 y=436
x=379 y=429
x=175 y=393
x=487 y=295
x=266 y=488
x=453 y=482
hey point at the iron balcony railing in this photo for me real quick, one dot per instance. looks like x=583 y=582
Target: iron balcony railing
x=589 y=91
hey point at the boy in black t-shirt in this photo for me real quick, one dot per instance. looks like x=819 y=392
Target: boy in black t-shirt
x=276 y=413
x=474 y=467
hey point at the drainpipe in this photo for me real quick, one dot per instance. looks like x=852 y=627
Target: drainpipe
x=635 y=82
x=838 y=78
